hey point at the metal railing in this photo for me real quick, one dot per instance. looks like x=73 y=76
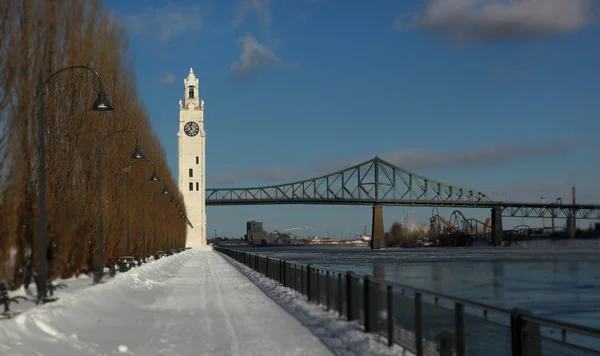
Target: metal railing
x=423 y=322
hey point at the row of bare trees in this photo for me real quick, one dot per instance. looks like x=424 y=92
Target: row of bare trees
x=42 y=36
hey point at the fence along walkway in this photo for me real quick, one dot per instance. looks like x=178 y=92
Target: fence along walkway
x=423 y=322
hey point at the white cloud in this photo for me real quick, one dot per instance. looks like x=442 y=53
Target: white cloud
x=415 y=160
x=476 y=21
x=166 y=22
x=167 y=78
x=260 y=8
x=255 y=56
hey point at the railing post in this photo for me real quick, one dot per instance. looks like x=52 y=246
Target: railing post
x=516 y=333
x=302 y=280
x=280 y=272
x=339 y=295
x=349 y=295
x=418 y=325
x=366 y=290
x=522 y=343
x=327 y=291
x=459 y=329
x=308 y=289
x=390 y=315
x=284 y=274
x=318 y=285
x=293 y=269
x=268 y=268
x=296 y=271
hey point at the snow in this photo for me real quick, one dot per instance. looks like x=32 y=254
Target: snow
x=72 y=285
x=344 y=338
x=192 y=303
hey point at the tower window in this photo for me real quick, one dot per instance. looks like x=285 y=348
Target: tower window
x=197 y=160
x=191 y=92
x=191 y=173
x=191 y=187
x=197 y=186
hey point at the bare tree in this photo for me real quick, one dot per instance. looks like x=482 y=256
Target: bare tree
x=42 y=36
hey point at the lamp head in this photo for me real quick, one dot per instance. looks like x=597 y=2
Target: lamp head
x=154 y=177
x=137 y=153
x=102 y=103
x=165 y=190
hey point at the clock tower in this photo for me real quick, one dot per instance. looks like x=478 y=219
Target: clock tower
x=192 y=145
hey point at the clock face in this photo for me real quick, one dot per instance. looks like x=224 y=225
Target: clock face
x=191 y=129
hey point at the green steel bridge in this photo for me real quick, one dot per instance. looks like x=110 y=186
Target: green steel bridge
x=379 y=183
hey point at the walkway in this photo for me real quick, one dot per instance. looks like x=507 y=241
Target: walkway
x=193 y=303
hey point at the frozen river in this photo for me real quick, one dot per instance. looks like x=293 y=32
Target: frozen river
x=559 y=283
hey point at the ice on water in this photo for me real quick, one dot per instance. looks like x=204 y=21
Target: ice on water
x=555 y=279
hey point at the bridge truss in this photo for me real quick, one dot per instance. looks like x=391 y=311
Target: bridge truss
x=377 y=182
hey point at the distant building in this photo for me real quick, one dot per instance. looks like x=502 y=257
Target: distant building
x=256 y=233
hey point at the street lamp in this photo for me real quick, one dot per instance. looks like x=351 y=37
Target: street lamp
x=144 y=254
x=164 y=191
x=152 y=178
x=137 y=154
x=100 y=104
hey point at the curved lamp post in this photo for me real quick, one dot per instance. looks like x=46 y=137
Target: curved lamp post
x=173 y=200
x=153 y=178
x=164 y=192
x=181 y=212
x=137 y=154
x=100 y=104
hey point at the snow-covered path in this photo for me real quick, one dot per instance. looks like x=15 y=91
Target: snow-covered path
x=193 y=303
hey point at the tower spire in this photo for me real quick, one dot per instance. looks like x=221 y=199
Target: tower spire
x=191 y=70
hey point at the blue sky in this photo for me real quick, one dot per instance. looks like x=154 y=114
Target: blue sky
x=496 y=96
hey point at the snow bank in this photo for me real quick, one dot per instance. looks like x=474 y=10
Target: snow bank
x=51 y=327
x=339 y=335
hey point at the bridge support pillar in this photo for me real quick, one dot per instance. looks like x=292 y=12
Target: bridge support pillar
x=377 y=231
x=496 y=226
x=570 y=225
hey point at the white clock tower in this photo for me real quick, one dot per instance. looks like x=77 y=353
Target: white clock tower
x=192 y=153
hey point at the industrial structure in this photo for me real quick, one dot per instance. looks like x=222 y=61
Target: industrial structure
x=255 y=234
